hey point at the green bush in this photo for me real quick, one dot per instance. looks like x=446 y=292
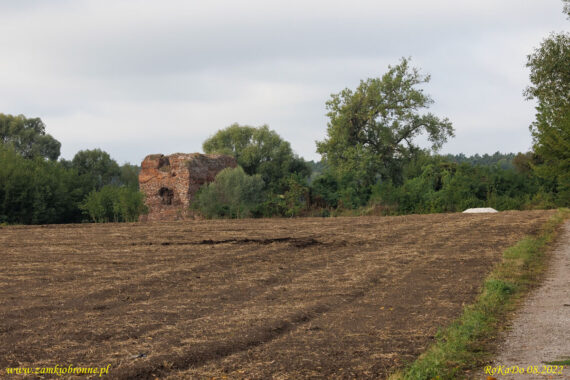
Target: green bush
x=295 y=201
x=114 y=204
x=233 y=194
x=324 y=191
x=297 y=197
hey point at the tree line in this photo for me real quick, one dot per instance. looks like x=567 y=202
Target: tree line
x=36 y=188
x=371 y=161
x=422 y=183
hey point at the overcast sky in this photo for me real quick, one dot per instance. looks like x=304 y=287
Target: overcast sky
x=138 y=77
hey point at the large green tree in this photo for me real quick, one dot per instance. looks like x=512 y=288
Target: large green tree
x=96 y=167
x=35 y=190
x=372 y=129
x=28 y=137
x=258 y=151
x=549 y=68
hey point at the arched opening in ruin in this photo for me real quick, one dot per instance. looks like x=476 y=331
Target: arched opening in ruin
x=166 y=195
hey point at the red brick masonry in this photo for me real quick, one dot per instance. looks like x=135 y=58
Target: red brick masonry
x=170 y=182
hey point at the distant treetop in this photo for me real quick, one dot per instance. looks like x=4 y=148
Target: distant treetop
x=28 y=137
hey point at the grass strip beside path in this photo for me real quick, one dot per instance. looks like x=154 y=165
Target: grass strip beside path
x=464 y=345
x=560 y=362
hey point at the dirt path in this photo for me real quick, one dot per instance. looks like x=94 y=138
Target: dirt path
x=541 y=331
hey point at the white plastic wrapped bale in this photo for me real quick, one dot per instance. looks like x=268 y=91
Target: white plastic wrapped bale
x=480 y=210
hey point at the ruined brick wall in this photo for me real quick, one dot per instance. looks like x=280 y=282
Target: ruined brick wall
x=170 y=182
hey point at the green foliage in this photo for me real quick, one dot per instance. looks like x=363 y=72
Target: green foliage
x=432 y=183
x=96 y=168
x=559 y=362
x=504 y=161
x=316 y=169
x=259 y=151
x=371 y=130
x=523 y=163
x=233 y=194
x=28 y=137
x=550 y=78
x=295 y=201
x=443 y=186
x=129 y=175
x=35 y=191
x=114 y=204
x=325 y=191
x=352 y=193
x=334 y=189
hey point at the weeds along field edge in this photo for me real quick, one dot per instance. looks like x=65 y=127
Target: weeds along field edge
x=467 y=343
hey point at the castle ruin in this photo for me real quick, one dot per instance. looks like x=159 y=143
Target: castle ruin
x=170 y=182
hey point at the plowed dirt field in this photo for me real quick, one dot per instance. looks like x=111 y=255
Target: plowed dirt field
x=256 y=299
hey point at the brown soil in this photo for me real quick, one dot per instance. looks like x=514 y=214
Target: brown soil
x=282 y=298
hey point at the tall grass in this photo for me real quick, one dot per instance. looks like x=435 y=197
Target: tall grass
x=465 y=345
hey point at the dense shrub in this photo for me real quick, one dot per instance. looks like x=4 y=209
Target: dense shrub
x=114 y=204
x=233 y=194
x=295 y=200
x=449 y=187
